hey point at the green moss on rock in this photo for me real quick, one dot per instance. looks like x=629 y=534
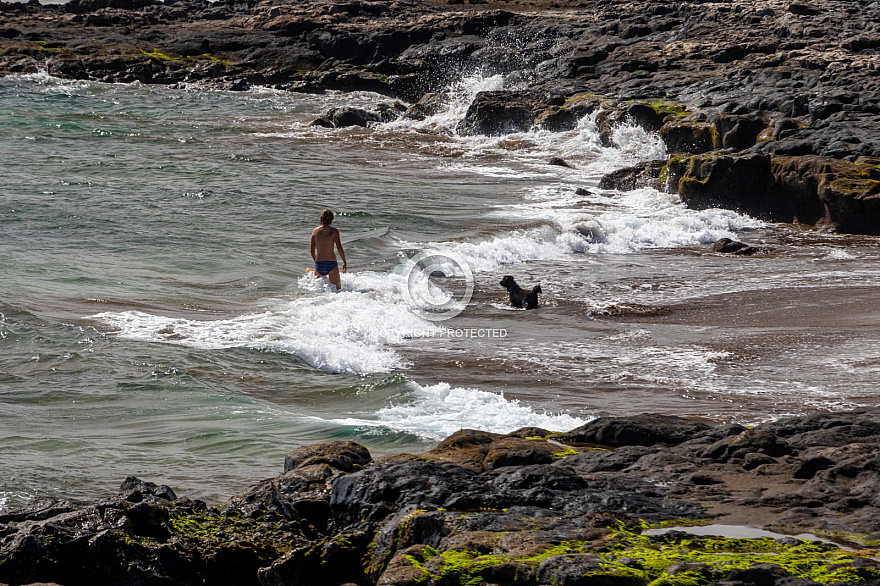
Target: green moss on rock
x=564 y=453
x=627 y=556
x=856 y=186
x=672 y=110
x=155 y=54
x=211 y=529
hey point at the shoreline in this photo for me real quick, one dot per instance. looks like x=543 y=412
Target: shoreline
x=531 y=507
x=761 y=125
x=756 y=104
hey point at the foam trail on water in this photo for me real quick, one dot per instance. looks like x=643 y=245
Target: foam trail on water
x=440 y=410
x=351 y=332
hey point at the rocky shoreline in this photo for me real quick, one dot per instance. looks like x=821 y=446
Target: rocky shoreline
x=527 y=508
x=769 y=108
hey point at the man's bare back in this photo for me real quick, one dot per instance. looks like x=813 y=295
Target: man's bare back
x=324 y=239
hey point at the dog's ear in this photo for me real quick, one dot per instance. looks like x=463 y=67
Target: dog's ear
x=537 y=289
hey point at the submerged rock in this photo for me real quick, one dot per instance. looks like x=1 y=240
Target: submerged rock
x=348 y=116
x=728 y=246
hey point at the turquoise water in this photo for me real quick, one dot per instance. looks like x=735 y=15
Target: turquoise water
x=157 y=318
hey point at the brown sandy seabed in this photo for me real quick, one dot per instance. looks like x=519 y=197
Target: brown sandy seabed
x=844 y=309
x=827 y=309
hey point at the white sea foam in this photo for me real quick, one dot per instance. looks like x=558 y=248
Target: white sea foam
x=351 y=332
x=41 y=76
x=458 y=98
x=496 y=171
x=527 y=153
x=635 y=143
x=838 y=254
x=440 y=410
x=641 y=219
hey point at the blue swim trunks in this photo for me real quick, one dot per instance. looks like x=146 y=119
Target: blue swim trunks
x=325 y=267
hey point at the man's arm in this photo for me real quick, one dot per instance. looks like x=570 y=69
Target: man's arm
x=313 y=246
x=341 y=252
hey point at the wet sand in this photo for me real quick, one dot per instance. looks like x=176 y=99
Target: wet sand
x=819 y=308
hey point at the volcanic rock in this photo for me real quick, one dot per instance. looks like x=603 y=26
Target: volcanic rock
x=640 y=430
x=728 y=246
x=754 y=91
x=479 y=506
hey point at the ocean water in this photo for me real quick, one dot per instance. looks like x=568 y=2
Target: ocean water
x=158 y=316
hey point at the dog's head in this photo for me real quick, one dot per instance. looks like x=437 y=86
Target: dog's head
x=508 y=282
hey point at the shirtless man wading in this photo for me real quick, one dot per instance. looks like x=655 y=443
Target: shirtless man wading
x=324 y=237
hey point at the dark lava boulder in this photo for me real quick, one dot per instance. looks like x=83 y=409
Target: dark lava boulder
x=728 y=246
x=645 y=174
x=687 y=136
x=758 y=440
x=504 y=112
x=135 y=490
x=348 y=116
x=336 y=560
x=731 y=182
x=839 y=194
x=482 y=450
x=829 y=429
x=646 y=429
x=376 y=492
x=575 y=570
x=343 y=455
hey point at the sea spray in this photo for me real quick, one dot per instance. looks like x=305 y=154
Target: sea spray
x=457 y=98
x=637 y=144
x=642 y=219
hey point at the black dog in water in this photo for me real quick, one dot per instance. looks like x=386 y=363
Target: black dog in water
x=518 y=297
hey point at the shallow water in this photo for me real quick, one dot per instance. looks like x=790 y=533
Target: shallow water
x=158 y=318
x=739 y=532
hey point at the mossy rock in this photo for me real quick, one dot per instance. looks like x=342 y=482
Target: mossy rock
x=670 y=110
